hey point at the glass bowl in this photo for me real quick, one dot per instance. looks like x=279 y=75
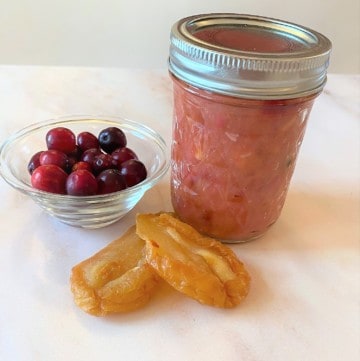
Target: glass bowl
x=84 y=211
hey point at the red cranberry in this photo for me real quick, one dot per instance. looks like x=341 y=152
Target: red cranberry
x=133 y=171
x=109 y=181
x=49 y=178
x=87 y=140
x=101 y=162
x=121 y=155
x=76 y=154
x=54 y=157
x=62 y=139
x=69 y=165
x=81 y=165
x=34 y=162
x=73 y=158
x=112 y=138
x=81 y=183
x=90 y=154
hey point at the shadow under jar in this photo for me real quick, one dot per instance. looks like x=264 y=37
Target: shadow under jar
x=243 y=90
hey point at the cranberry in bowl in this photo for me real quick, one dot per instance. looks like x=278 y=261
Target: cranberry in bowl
x=66 y=166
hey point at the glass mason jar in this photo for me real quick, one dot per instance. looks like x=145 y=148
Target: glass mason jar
x=243 y=90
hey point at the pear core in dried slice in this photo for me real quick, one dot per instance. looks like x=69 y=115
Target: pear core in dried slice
x=116 y=279
x=198 y=266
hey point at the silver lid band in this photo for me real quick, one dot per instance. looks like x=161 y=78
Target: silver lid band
x=249 y=74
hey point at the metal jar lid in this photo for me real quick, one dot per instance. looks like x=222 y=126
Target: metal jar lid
x=249 y=56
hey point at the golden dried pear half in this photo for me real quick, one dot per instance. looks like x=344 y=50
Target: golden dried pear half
x=116 y=279
x=198 y=266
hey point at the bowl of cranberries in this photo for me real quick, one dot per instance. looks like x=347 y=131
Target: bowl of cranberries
x=86 y=171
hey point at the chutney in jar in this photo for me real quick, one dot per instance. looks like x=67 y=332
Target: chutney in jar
x=243 y=91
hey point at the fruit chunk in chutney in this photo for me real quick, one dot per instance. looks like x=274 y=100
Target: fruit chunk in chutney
x=232 y=159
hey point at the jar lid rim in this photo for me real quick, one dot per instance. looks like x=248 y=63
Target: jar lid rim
x=319 y=44
x=299 y=62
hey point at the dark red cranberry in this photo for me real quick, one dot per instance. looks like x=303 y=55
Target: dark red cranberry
x=76 y=154
x=34 y=162
x=81 y=165
x=102 y=162
x=109 y=181
x=55 y=157
x=49 y=178
x=112 y=138
x=71 y=161
x=62 y=139
x=90 y=154
x=133 y=171
x=73 y=158
x=87 y=140
x=81 y=183
x=121 y=155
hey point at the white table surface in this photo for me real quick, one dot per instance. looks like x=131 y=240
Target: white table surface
x=304 y=300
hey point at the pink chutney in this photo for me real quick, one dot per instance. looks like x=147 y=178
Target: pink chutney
x=243 y=90
x=232 y=159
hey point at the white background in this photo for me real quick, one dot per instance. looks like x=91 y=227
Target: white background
x=135 y=33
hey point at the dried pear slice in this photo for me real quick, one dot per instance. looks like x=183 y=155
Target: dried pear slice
x=116 y=279
x=198 y=266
